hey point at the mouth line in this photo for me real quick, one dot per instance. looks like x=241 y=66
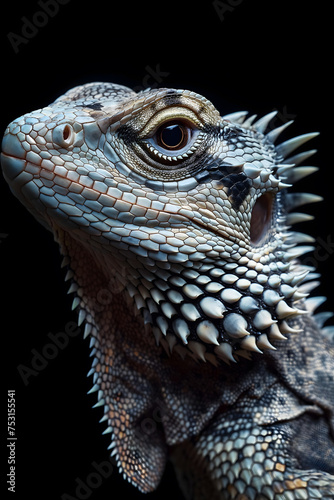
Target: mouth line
x=224 y=237
x=210 y=229
x=10 y=156
x=192 y=221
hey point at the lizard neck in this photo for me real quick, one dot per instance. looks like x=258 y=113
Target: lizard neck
x=151 y=401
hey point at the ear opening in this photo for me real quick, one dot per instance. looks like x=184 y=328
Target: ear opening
x=261 y=218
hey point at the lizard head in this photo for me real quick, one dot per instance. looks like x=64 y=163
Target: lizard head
x=185 y=209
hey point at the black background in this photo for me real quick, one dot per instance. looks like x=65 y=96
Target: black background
x=255 y=55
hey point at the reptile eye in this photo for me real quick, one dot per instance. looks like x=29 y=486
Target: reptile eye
x=173 y=141
x=261 y=218
x=173 y=136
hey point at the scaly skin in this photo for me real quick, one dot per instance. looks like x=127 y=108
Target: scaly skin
x=174 y=223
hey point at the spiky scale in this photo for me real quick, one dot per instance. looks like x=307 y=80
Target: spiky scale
x=322 y=317
x=230 y=295
x=263 y=319
x=286 y=147
x=171 y=341
x=224 y=351
x=168 y=309
x=69 y=275
x=298 y=199
x=235 y=325
x=249 y=305
x=313 y=303
x=95 y=388
x=283 y=310
x=229 y=279
x=198 y=349
x=275 y=333
x=65 y=262
x=311 y=278
x=82 y=316
x=248 y=122
x=328 y=331
x=73 y=288
x=285 y=328
x=140 y=302
x=299 y=278
x=114 y=453
x=174 y=296
x=75 y=303
x=207 y=332
x=212 y=307
x=152 y=307
x=284 y=169
x=297 y=217
x=271 y=297
x=298 y=173
x=284 y=185
x=243 y=284
x=263 y=343
x=181 y=328
x=298 y=295
x=299 y=158
x=276 y=132
x=192 y=291
x=88 y=330
x=190 y=312
x=112 y=446
x=157 y=335
x=262 y=124
x=296 y=252
x=237 y=117
x=212 y=358
x=251 y=171
x=99 y=403
x=156 y=295
x=162 y=324
x=297 y=237
x=287 y=290
x=249 y=343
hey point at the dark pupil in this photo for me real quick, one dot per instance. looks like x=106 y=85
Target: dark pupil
x=172 y=136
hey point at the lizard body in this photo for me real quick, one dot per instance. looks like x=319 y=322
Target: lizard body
x=175 y=225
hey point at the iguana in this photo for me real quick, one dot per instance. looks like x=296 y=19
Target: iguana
x=175 y=224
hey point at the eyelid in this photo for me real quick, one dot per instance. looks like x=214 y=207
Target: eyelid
x=173 y=158
x=170 y=114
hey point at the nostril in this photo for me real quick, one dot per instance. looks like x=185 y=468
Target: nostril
x=261 y=218
x=66 y=132
x=63 y=135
